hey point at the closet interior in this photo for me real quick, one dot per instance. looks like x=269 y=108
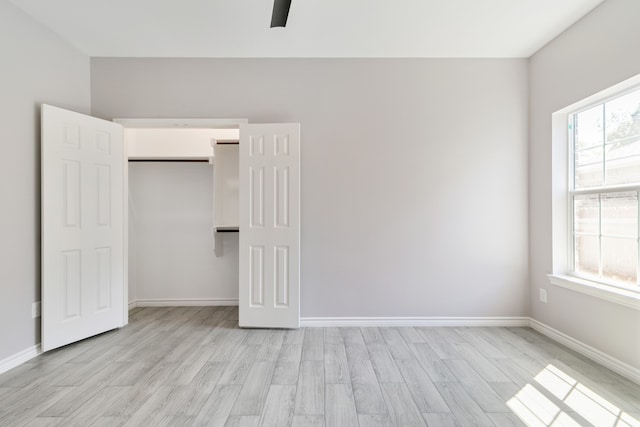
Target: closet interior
x=182 y=216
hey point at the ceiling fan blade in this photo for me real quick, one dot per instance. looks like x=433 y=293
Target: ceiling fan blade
x=280 y=13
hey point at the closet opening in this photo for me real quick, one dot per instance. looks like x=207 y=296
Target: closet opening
x=182 y=245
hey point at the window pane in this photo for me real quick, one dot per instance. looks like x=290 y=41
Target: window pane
x=588 y=176
x=586 y=214
x=589 y=128
x=623 y=119
x=623 y=139
x=620 y=214
x=620 y=259
x=587 y=254
x=617 y=151
x=590 y=156
x=623 y=163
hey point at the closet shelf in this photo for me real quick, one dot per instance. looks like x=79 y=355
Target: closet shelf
x=227 y=229
x=167 y=160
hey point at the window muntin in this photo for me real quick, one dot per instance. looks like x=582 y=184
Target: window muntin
x=605 y=190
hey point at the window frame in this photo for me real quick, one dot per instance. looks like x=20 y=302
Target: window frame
x=601 y=190
x=563 y=273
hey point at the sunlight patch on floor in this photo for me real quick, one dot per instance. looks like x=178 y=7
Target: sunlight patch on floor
x=535 y=409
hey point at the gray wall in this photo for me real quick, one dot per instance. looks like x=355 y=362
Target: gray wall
x=414 y=172
x=170 y=221
x=37 y=67
x=597 y=52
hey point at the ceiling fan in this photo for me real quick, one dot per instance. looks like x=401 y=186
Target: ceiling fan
x=280 y=13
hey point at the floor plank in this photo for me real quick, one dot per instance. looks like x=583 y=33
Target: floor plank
x=476 y=387
x=287 y=365
x=465 y=410
x=313 y=344
x=383 y=364
x=279 y=406
x=340 y=408
x=440 y=420
x=307 y=421
x=402 y=409
x=336 y=367
x=240 y=365
x=310 y=390
x=367 y=420
x=217 y=408
x=369 y=399
x=253 y=393
x=362 y=372
x=424 y=392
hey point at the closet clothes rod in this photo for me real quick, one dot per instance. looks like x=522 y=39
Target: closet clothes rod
x=170 y=160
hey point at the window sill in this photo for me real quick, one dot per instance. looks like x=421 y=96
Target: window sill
x=609 y=293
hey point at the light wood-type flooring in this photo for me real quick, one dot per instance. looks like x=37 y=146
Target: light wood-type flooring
x=194 y=366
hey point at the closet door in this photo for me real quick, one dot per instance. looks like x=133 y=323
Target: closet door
x=83 y=271
x=269 y=294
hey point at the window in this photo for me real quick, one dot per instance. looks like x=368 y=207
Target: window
x=604 y=189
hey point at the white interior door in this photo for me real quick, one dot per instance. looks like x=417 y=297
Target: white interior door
x=83 y=270
x=269 y=294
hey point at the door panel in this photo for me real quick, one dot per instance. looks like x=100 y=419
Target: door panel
x=83 y=284
x=270 y=225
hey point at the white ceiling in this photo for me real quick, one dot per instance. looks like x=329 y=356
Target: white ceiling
x=316 y=28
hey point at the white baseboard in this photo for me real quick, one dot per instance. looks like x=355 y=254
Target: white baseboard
x=185 y=302
x=594 y=354
x=19 y=358
x=412 y=321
